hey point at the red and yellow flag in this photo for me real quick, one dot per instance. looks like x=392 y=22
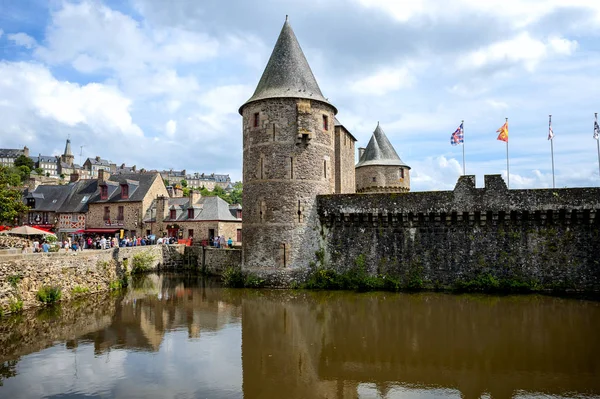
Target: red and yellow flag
x=503 y=136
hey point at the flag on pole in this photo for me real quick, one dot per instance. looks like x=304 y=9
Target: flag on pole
x=458 y=137
x=596 y=130
x=550 y=132
x=503 y=136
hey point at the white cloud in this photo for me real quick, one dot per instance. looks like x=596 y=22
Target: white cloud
x=522 y=49
x=1 y=32
x=31 y=87
x=384 y=81
x=171 y=128
x=22 y=39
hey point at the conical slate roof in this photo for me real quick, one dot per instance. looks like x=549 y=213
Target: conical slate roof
x=287 y=73
x=68 y=148
x=380 y=151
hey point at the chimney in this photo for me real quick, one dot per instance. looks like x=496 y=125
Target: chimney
x=26 y=151
x=194 y=196
x=162 y=208
x=97 y=158
x=361 y=151
x=74 y=177
x=103 y=176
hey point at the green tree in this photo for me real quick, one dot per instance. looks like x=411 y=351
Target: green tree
x=39 y=171
x=11 y=203
x=166 y=182
x=236 y=193
x=23 y=172
x=22 y=160
x=186 y=191
x=183 y=183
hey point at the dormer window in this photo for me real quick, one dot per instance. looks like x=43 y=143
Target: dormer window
x=124 y=191
x=173 y=214
x=191 y=213
x=103 y=192
x=325 y=122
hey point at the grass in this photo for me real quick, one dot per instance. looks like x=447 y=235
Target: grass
x=116 y=285
x=15 y=306
x=234 y=277
x=14 y=279
x=49 y=294
x=79 y=290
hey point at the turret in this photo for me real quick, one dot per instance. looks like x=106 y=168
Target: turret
x=379 y=168
x=68 y=157
x=288 y=128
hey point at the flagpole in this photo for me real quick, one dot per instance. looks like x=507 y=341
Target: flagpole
x=551 y=147
x=463 y=128
x=597 y=142
x=507 y=164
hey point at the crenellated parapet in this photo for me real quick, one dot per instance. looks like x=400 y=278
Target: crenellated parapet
x=493 y=204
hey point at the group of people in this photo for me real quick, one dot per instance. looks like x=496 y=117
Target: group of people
x=220 y=242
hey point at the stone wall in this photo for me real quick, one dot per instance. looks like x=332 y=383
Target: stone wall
x=90 y=270
x=548 y=237
x=382 y=179
x=215 y=261
x=344 y=161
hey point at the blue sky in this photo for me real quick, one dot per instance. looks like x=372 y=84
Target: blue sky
x=158 y=84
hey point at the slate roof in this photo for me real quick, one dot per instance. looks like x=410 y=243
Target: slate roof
x=81 y=194
x=380 y=151
x=45 y=158
x=68 y=148
x=94 y=161
x=206 y=209
x=49 y=198
x=287 y=73
x=10 y=153
x=139 y=184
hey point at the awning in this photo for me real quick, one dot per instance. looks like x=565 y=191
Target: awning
x=100 y=230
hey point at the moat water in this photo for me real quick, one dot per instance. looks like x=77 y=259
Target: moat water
x=186 y=337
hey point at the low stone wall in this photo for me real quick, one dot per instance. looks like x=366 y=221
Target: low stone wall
x=215 y=261
x=90 y=271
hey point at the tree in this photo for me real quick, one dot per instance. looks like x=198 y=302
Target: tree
x=186 y=192
x=39 y=171
x=22 y=160
x=236 y=193
x=183 y=183
x=11 y=203
x=166 y=182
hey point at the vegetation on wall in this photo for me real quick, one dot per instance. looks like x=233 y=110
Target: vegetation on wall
x=142 y=262
x=49 y=294
x=234 y=277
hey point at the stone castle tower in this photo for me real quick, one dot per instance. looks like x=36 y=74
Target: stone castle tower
x=288 y=139
x=379 y=168
x=68 y=157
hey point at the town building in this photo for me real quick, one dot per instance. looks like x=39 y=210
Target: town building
x=196 y=180
x=379 y=168
x=96 y=164
x=44 y=204
x=8 y=156
x=195 y=218
x=48 y=163
x=121 y=202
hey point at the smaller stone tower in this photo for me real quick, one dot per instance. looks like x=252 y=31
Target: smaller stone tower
x=380 y=169
x=68 y=157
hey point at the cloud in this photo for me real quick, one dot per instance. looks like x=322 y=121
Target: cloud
x=171 y=128
x=520 y=50
x=22 y=39
x=384 y=81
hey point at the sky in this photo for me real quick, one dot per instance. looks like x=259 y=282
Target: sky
x=158 y=84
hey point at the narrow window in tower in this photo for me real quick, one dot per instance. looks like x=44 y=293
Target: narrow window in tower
x=401 y=173
x=273 y=127
x=325 y=122
x=291 y=167
x=325 y=168
x=299 y=213
x=262 y=167
x=374 y=179
x=256 y=118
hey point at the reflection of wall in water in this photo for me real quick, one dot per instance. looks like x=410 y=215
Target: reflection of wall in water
x=474 y=344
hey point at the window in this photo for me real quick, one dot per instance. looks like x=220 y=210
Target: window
x=191 y=213
x=256 y=119
x=107 y=213
x=103 y=192
x=291 y=167
x=74 y=218
x=325 y=122
x=325 y=169
x=173 y=214
x=124 y=191
x=374 y=179
x=401 y=173
x=121 y=216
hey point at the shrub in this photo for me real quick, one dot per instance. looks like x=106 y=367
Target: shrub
x=49 y=294
x=233 y=277
x=15 y=306
x=14 y=279
x=141 y=262
x=77 y=290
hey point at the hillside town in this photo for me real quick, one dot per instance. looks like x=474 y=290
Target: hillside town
x=99 y=204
